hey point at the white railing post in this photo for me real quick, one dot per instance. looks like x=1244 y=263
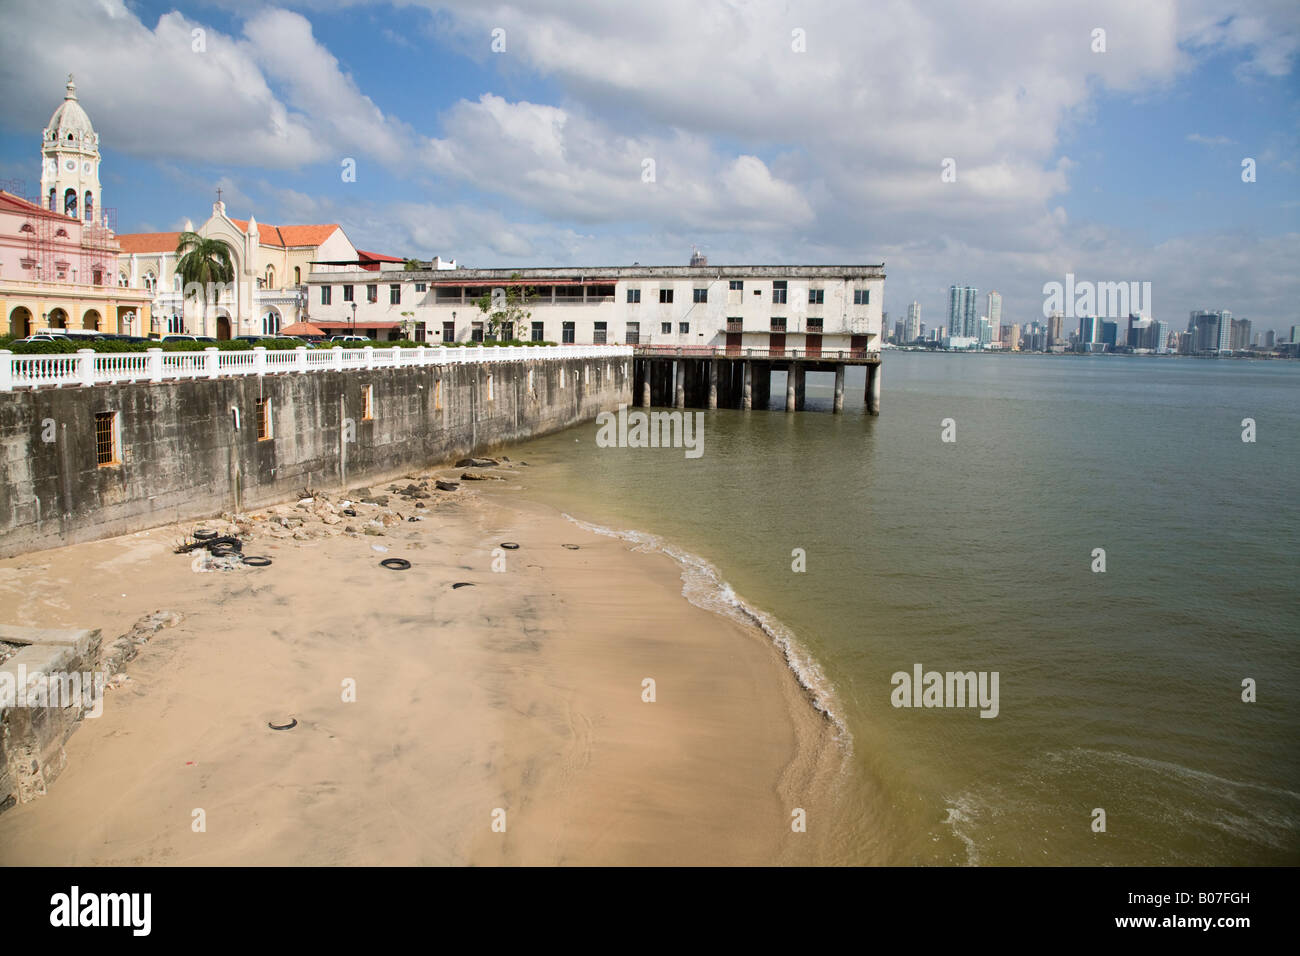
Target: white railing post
x=370 y=356
x=337 y=352
x=300 y=358
x=259 y=360
x=86 y=367
x=212 y=361
x=155 y=365
x=6 y=370
x=397 y=356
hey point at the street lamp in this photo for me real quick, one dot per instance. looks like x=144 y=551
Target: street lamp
x=354 y=318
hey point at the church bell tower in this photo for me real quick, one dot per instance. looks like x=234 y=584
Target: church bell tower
x=70 y=161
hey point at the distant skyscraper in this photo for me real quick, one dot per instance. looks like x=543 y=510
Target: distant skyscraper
x=1011 y=337
x=1295 y=333
x=1055 y=333
x=912 y=328
x=1109 y=333
x=995 y=313
x=986 y=331
x=963 y=321
x=1239 y=337
x=1270 y=339
x=1088 y=330
x=1211 y=331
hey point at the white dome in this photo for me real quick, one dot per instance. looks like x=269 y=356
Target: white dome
x=70 y=117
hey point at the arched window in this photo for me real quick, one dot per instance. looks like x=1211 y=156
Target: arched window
x=122 y=280
x=150 y=281
x=90 y=206
x=270 y=277
x=26 y=227
x=297 y=275
x=53 y=197
x=271 y=323
x=61 y=233
x=176 y=283
x=174 y=324
x=70 y=203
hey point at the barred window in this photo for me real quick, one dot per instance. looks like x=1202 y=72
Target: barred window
x=106 y=441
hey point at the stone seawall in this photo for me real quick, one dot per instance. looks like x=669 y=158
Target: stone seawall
x=192 y=449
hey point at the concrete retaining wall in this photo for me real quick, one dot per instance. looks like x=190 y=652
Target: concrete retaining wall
x=180 y=455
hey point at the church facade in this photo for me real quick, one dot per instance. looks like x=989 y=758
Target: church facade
x=271 y=264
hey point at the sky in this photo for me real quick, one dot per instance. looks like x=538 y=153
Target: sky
x=578 y=132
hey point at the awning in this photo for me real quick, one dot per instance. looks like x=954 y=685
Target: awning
x=359 y=324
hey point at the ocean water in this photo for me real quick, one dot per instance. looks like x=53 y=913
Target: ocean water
x=1118 y=691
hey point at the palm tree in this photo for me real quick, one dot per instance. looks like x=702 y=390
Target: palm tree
x=201 y=262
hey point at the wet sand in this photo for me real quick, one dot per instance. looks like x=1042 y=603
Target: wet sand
x=522 y=693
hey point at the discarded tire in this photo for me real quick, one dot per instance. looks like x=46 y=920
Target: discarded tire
x=571 y=547
x=395 y=564
x=256 y=561
x=223 y=547
x=293 y=722
x=461 y=584
x=204 y=534
x=510 y=545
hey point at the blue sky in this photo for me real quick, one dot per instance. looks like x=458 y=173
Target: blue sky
x=1116 y=165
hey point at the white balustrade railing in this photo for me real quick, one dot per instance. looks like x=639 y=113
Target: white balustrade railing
x=87 y=367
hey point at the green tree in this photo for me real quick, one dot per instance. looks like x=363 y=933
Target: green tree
x=509 y=307
x=201 y=262
x=412 y=265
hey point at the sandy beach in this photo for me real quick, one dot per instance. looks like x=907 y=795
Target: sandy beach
x=522 y=694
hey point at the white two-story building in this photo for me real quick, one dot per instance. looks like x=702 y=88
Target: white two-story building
x=796 y=308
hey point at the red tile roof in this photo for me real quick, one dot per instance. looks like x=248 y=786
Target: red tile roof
x=290 y=236
x=149 y=241
x=378 y=256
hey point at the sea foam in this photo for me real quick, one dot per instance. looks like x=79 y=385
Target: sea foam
x=704 y=586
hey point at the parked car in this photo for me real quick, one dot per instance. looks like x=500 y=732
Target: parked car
x=178 y=337
x=43 y=337
x=348 y=338
x=89 y=334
